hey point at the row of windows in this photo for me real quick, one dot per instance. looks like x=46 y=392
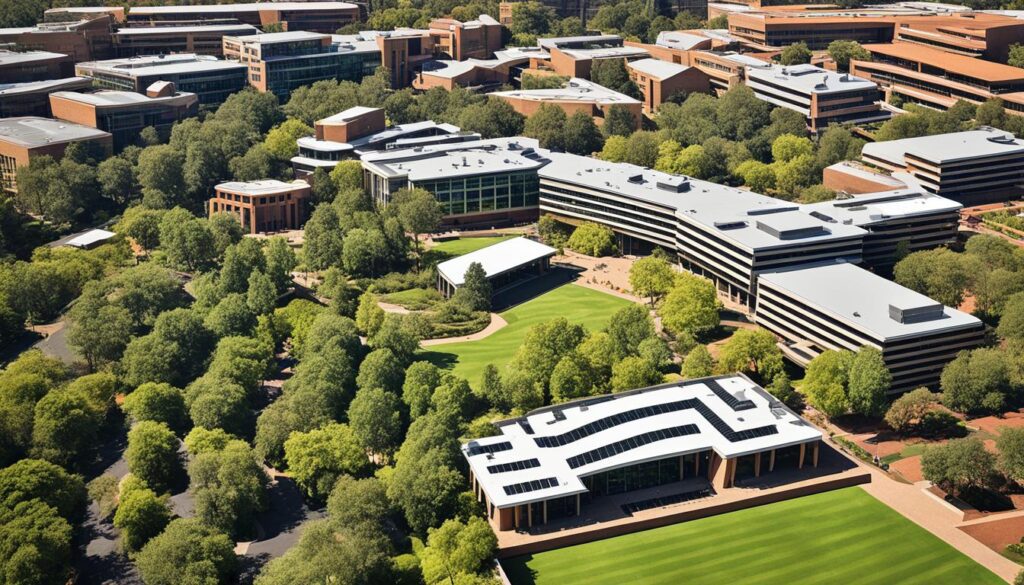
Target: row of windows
x=630 y=444
x=488 y=193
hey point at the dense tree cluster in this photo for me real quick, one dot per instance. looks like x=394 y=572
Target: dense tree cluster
x=841 y=382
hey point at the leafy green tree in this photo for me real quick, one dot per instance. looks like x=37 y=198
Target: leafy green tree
x=628 y=328
x=187 y=241
x=492 y=118
x=281 y=140
x=634 y=372
x=240 y=261
x=317 y=458
x=261 y=295
x=837 y=144
x=940 y=274
x=355 y=503
x=326 y=554
x=323 y=239
x=217 y=403
x=756 y=175
x=425 y=484
x=161 y=168
x=453 y=398
x=117 y=180
x=188 y=551
x=958 y=464
x=581 y=135
x=816 y=194
x=232 y=316
x=98 y=330
x=691 y=306
x=651 y=277
x=421 y=378
x=754 y=351
x=544 y=346
x=35 y=479
x=842 y=52
x=158 y=402
x=229 y=487
x=869 y=381
x=242 y=360
x=456 y=548
x=381 y=369
x=532 y=18
x=826 y=381
x=740 y=114
x=976 y=380
x=795 y=54
x=1016 y=55
x=593 y=239
x=152 y=455
x=698 y=363
x=419 y=213
x=573 y=377
x=141 y=515
x=64 y=428
x=376 y=421
x=612 y=73
x=1010 y=444
x=1011 y=324
x=200 y=440
x=365 y=252
x=547 y=125
x=910 y=408
x=475 y=290
x=788 y=147
x=347 y=175
x=35 y=544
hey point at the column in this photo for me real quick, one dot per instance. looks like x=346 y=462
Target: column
x=577 y=504
x=803 y=451
x=529 y=515
x=817 y=448
x=771 y=462
x=757 y=465
x=516 y=513
x=545 y=512
x=682 y=462
x=696 y=465
x=732 y=473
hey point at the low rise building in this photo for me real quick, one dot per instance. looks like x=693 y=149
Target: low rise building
x=125 y=113
x=483 y=183
x=579 y=95
x=32 y=98
x=659 y=81
x=158 y=40
x=263 y=206
x=78 y=13
x=360 y=130
x=475 y=39
x=282 y=62
x=81 y=40
x=841 y=306
x=702 y=437
x=34 y=66
x=854 y=178
x=321 y=17
x=580 y=62
x=978 y=166
x=504 y=264
x=507 y=67
x=24 y=138
x=211 y=79
x=402 y=51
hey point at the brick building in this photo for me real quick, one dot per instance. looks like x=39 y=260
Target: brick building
x=263 y=206
x=24 y=138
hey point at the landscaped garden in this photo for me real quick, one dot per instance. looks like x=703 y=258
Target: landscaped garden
x=578 y=304
x=845 y=536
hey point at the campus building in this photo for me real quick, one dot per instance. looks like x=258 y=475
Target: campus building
x=361 y=130
x=853 y=178
x=475 y=39
x=279 y=63
x=320 y=17
x=34 y=66
x=659 y=81
x=158 y=40
x=823 y=97
x=977 y=166
x=575 y=56
x=937 y=79
x=212 y=79
x=125 y=113
x=841 y=306
x=704 y=436
x=78 y=13
x=263 y=206
x=506 y=67
x=32 y=98
x=504 y=264
x=24 y=138
x=579 y=95
x=482 y=183
x=81 y=40
x=402 y=51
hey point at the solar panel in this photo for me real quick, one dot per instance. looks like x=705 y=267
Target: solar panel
x=526 y=426
x=530 y=486
x=493 y=448
x=630 y=443
x=513 y=466
x=733 y=402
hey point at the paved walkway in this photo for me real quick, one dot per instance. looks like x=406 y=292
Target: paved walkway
x=496 y=324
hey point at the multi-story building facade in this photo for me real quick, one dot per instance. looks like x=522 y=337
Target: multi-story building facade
x=159 y=40
x=841 y=306
x=475 y=39
x=978 y=166
x=81 y=40
x=32 y=98
x=125 y=113
x=211 y=79
x=282 y=62
x=24 y=138
x=658 y=81
x=320 y=17
x=483 y=183
x=34 y=66
x=263 y=206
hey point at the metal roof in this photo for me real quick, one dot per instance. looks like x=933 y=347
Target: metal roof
x=495 y=259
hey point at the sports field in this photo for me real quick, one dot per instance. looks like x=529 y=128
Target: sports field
x=841 y=537
x=585 y=306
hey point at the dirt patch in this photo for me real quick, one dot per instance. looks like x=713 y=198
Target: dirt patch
x=883 y=447
x=992 y=424
x=997 y=533
x=909 y=468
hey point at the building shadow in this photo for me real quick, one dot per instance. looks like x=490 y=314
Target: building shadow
x=526 y=290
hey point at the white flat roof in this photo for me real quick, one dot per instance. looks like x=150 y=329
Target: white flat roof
x=31 y=131
x=947 y=148
x=657 y=68
x=679 y=40
x=623 y=179
x=862 y=298
x=578 y=90
x=8 y=89
x=234 y=29
x=283 y=37
x=554 y=42
x=872 y=208
x=12 y=57
x=348 y=115
x=479 y=157
x=253 y=6
x=264 y=187
x=89 y=238
x=160 y=65
x=809 y=79
x=560 y=444
x=119 y=98
x=495 y=259
x=605 y=52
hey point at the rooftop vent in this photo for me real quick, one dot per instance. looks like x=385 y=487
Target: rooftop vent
x=730 y=225
x=674 y=184
x=822 y=216
x=916 y=312
x=636 y=179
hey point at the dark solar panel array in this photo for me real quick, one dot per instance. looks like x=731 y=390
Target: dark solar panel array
x=629 y=444
x=648 y=411
x=733 y=402
x=526 y=426
x=513 y=466
x=494 y=448
x=530 y=486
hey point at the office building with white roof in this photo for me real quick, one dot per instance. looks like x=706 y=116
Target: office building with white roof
x=977 y=166
x=211 y=79
x=841 y=306
x=503 y=263
x=705 y=434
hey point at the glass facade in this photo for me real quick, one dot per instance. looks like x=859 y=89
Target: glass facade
x=647 y=475
x=287 y=74
x=461 y=195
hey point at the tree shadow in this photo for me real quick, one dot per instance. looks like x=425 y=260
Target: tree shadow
x=445 y=361
x=518 y=570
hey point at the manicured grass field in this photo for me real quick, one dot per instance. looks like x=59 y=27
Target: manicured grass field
x=842 y=537
x=452 y=248
x=585 y=306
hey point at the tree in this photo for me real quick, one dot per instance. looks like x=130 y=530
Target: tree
x=34 y=479
x=958 y=464
x=475 y=290
x=940 y=274
x=788 y=147
x=152 y=455
x=369 y=315
x=187 y=551
x=381 y=369
x=65 y=426
x=1016 y=55
x=751 y=350
x=592 y=239
x=634 y=372
x=281 y=140
x=757 y=175
x=425 y=483
x=35 y=544
x=837 y=144
x=533 y=18
x=825 y=373
x=419 y=213
x=157 y=402
x=544 y=346
x=492 y=118
x=242 y=360
x=186 y=240
x=455 y=549
x=141 y=515
x=217 y=403
x=375 y=421
x=739 y=113
x=627 y=328
x=161 y=169
x=365 y=252
x=909 y=409
x=231 y=316
x=355 y=503
x=262 y=294
x=317 y=458
x=323 y=241
x=573 y=377
x=421 y=378
x=547 y=125
x=581 y=135
x=795 y=54
x=281 y=261
x=869 y=381
x=842 y=52
x=229 y=487
x=698 y=363
x=326 y=554
x=117 y=180
x=975 y=380
x=1011 y=324
x=98 y=330
x=691 y=306
x=612 y=73
x=651 y=277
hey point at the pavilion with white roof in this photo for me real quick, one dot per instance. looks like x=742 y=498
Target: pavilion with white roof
x=503 y=263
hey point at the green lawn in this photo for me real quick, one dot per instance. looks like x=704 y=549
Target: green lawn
x=452 y=248
x=841 y=537
x=585 y=306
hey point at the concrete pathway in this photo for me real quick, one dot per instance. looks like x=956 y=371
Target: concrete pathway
x=496 y=324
